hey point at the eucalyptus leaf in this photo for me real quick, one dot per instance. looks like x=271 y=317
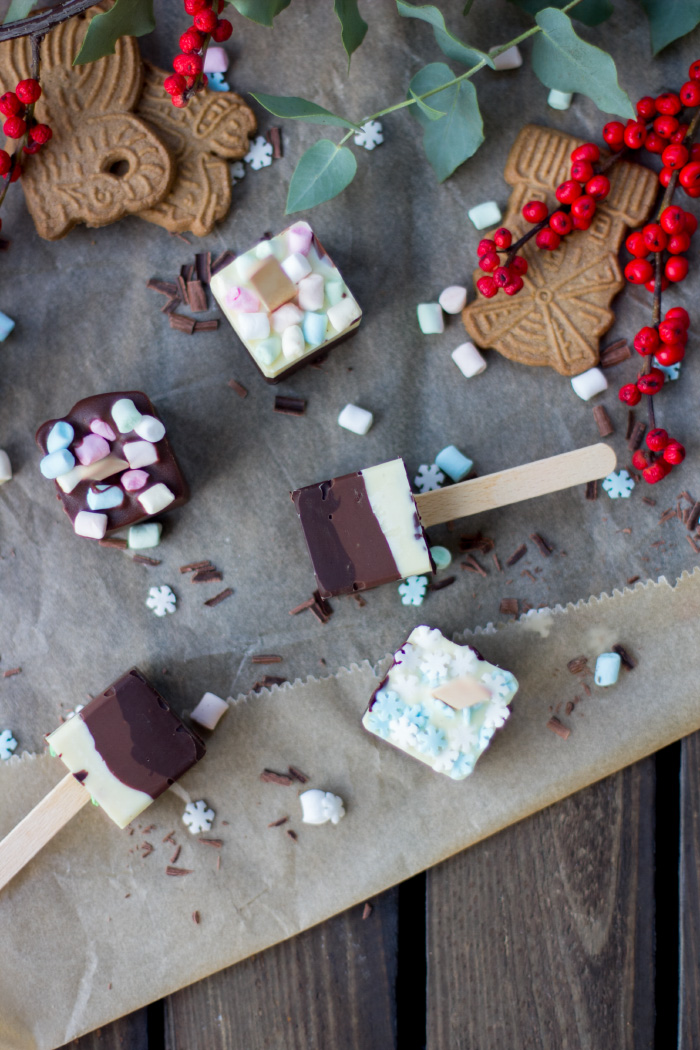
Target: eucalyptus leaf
x=18 y=9
x=260 y=11
x=323 y=172
x=352 y=26
x=564 y=61
x=428 y=111
x=467 y=7
x=590 y=12
x=670 y=19
x=455 y=138
x=289 y=107
x=126 y=18
x=448 y=43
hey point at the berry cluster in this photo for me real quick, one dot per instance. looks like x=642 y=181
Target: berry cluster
x=508 y=277
x=189 y=75
x=18 y=108
x=671 y=234
x=664 y=453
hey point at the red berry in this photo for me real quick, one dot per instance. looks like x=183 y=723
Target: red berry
x=188 y=65
x=223 y=31
x=175 y=84
x=179 y=100
x=28 y=91
x=639 y=460
x=674 y=452
x=668 y=103
x=14 y=127
x=579 y=223
x=40 y=133
x=629 y=394
x=676 y=268
x=191 y=41
x=503 y=238
x=647 y=341
x=665 y=126
x=583 y=208
x=680 y=133
x=654 y=237
x=32 y=147
x=205 y=21
x=502 y=276
x=670 y=354
x=657 y=440
x=519 y=265
x=639 y=271
x=651 y=285
x=568 y=191
x=614 y=134
x=192 y=7
x=582 y=170
x=672 y=219
x=672 y=330
x=10 y=105
x=691 y=223
x=514 y=285
x=655 y=472
x=655 y=143
x=484 y=246
x=598 y=187
x=535 y=211
x=646 y=107
x=675 y=156
x=690 y=94
x=560 y=222
x=690 y=175
x=489 y=261
x=16 y=173
x=548 y=240
x=588 y=151
x=5 y=162
x=487 y=286
x=694 y=71
x=635 y=134
x=636 y=245
x=651 y=382
x=693 y=193
x=678 y=313
x=665 y=176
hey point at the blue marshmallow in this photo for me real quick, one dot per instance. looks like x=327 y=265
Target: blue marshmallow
x=57 y=463
x=105 y=497
x=454 y=463
x=146 y=535
x=314 y=328
x=607 y=669
x=6 y=326
x=60 y=436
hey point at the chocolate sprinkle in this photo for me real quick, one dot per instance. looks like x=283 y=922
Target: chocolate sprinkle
x=221 y=597
x=178 y=871
x=471 y=564
x=207 y=576
x=269 y=776
x=207 y=326
x=579 y=663
x=591 y=490
x=693 y=516
x=11 y=672
x=541 y=544
x=508 y=606
x=194 y=565
x=650 y=502
x=439 y=585
x=164 y=288
x=290 y=406
x=635 y=438
x=181 y=323
x=141 y=559
x=202 y=265
x=556 y=726
x=216 y=843
x=274 y=137
x=367 y=910
x=171 y=305
x=195 y=918
x=278 y=823
x=120 y=545
x=615 y=354
x=266 y=658
x=304 y=605
x=475 y=541
x=630 y=423
x=517 y=555
x=603 y=421
x=238 y=387
x=629 y=661
x=360 y=600
x=292 y=834
x=297 y=774
x=182 y=286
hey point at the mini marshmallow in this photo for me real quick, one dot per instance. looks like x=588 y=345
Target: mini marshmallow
x=356 y=419
x=133 y=480
x=6 y=326
x=143 y=536
x=140 y=453
x=299 y=238
x=150 y=429
x=607 y=669
x=453 y=299
x=104 y=497
x=253 y=326
x=318 y=807
x=468 y=360
x=334 y=291
x=91 y=449
x=430 y=319
x=454 y=463
x=441 y=556
x=125 y=414
x=589 y=383
x=60 y=436
x=287 y=315
x=156 y=499
x=98 y=426
x=268 y=350
x=311 y=292
x=57 y=463
x=92 y=526
x=216 y=82
x=343 y=313
x=5 y=467
x=293 y=342
x=510 y=59
x=215 y=60
x=314 y=328
x=243 y=300
x=208 y=712
x=485 y=215
x=296 y=266
x=559 y=99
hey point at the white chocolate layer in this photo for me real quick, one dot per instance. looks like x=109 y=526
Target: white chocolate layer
x=392 y=504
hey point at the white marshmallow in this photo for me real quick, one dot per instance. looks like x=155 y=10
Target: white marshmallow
x=285 y=316
x=468 y=360
x=485 y=215
x=150 y=429
x=296 y=266
x=253 y=326
x=156 y=499
x=209 y=711
x=589 y=383
x=311 y=292
x=356 y=419
x=559 y=99
x=453 y=299
x=140 y=454
x=292 y=342
x=92 y=526
x=510 y=59
x=343 y=314
x=430 y=319
x=5 y=467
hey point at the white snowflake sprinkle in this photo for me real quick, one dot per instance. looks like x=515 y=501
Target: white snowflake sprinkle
x=198 y=817
x=496 y=714
x=413 y=589
x=161 y=600
x=7 y=744
x=463 y=662
x=407 y=658
x=445 y=761
x=238 y=171
x=618 y=484
x=434 y=665
x=370 y=136
x=500 y=685
x=463 y=735
x=403 y=731
x=260 y=153
x=670 y=371
x=429 y=477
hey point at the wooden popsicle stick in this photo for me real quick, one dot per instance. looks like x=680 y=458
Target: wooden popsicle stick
x=39 y=827
x=517 y=484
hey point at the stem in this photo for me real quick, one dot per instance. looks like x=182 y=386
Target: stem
x=190 y=91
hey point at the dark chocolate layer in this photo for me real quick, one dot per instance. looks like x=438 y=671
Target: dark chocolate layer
x=348 y=549
x=143 y=742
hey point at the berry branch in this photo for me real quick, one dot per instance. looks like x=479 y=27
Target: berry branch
x=18 y=108
x=189 y=76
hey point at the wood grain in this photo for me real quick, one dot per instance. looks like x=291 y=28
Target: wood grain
x=689 y=991
x=330 y=987
x=128 y=1033
x=542 y=936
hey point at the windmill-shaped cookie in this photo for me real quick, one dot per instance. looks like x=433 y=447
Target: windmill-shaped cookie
x=559 y=316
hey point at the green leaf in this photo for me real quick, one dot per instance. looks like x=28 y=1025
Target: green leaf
x=563 y=61
x=260 y=11
x=289 y=107
x=448 y=43
x=429 y=111
x=322 y=173
x=590 y=12
x=455 y=138
x=126 y=18
x=669 y=19
x=352 y=26
x=18 y=9
x=467 y=7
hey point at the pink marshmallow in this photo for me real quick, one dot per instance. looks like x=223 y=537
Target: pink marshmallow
x=300 y=236
x=286 y=316
x=215 y=60
x=243 y=300
x=103 y=429
x=91 y=449
x=133 y=480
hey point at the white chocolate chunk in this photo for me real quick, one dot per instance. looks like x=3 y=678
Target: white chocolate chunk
x=98 y=471
x=392 y=504
x=156 y=499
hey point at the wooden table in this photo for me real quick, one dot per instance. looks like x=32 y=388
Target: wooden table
x=578 y=928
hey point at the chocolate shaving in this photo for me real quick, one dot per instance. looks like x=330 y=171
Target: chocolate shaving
x=693 y=517
x=274 y=137
x=207 y=576
x=570 y=707
x=304 y=605
x=298 y=775
x=526 y=572
x=278 y=823
x=202 y=266
x=178 y=871
x=541 y=544
x=266 y=658
x=615 y=354
x=517 y=555
x=194 y=565
x=591 y=490
x=141 y=559
x=120 y=545
x=181 y=323
x=579 y=663
x=146 y=849
x=586 y=688
x=629 y=661
x=292 y=834
x=176 y=854
x=650 y=502
x=667 y=515
x=630 y=423
x=169 y=838
x=221 y=597
x=269 y=680
x=238 y=387
x=508 y=606
x=632 y=579
x=693 y=544
x=269 y=776
x=171 y=305
x=367 y=910
x=11 y=671
x=290 y=406
x=195 y=918
x=471 y=565
x=216 y=843
x=496 y=562
x=637 y=435
x=556 y=726
x=475 y=541
x=603 y=421
x=223 y=260
x=439 y=585
x=182 y=288
x=164 y=288
x=206 y=326
x=359 y=599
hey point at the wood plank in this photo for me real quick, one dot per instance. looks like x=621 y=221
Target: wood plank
x=128 y=1033
x=542 y=936
x=689 y=992
x=332 y=986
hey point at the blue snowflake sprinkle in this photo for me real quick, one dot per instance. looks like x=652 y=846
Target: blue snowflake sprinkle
x=377 y=725
x=432 y=740
x=417 y=715
x=387 y=705
x=462 y=767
